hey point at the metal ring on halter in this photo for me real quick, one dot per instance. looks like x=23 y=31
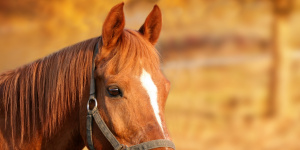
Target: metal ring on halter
x=88 y=103
x=124 y=147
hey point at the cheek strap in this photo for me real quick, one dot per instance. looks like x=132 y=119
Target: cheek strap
x=111 y=138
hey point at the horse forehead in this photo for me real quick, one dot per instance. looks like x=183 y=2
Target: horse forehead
x=152 y=75
x=138 y=76
x=146 y=80
x=151 y=80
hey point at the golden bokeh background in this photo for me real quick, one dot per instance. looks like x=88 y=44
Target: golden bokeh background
x=233 y=65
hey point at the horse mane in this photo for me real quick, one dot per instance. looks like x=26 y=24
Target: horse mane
x=41 y=94
x=133 y=53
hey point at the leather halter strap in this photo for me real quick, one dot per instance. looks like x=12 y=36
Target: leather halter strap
x=94 y=113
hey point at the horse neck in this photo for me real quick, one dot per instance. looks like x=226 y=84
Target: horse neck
x=68 y=136
x=41 y=104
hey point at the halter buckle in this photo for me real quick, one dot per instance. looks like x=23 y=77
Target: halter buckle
x=123 y=147
x=92 y=98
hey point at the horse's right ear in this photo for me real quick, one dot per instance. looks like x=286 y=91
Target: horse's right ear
x=113 y=26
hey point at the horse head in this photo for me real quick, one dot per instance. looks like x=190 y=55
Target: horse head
x=131 y=90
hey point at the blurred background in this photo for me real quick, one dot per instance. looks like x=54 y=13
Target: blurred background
x=234 y=65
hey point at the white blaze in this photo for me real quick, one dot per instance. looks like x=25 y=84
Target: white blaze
x=151 y=89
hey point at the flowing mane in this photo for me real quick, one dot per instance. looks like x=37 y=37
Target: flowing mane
x=41 y=94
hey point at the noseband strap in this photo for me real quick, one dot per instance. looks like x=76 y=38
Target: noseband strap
x=94 y=113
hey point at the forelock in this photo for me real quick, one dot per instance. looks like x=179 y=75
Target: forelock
x=132 y=54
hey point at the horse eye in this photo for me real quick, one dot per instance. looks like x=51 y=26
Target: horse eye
x=114 y=91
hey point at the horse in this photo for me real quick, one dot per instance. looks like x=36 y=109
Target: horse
x=113 y=81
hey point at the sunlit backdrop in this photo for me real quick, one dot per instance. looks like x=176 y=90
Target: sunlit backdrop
x=233 y=65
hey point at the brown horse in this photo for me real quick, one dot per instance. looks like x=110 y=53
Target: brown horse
x=43 y=104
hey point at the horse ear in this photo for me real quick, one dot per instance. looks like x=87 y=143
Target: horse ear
x=113 y=26
x=152 y=26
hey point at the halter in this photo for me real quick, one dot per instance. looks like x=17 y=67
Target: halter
x=93 y=113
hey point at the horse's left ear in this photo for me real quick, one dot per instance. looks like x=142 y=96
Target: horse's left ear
x=152 y=26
